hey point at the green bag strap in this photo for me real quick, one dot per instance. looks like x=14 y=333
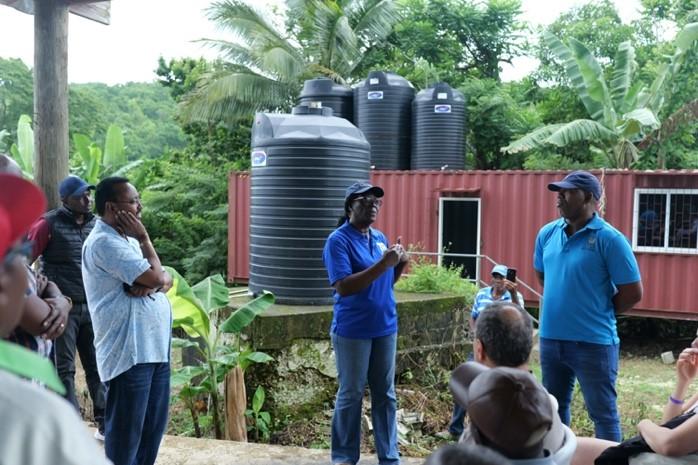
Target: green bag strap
x=27 y=364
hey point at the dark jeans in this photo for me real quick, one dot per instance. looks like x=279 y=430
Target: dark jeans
x=137 y=405
x=457 y=424
x=78 y=335
x=595 y=366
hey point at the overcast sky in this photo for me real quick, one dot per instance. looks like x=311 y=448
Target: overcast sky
x=142 y=30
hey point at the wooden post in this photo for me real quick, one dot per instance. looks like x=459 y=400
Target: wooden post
x=235 y=405
x=50 y=96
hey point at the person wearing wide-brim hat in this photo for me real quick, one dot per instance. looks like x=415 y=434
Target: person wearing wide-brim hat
x=363 y=267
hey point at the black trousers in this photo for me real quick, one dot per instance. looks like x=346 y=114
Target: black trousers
x=79 y=337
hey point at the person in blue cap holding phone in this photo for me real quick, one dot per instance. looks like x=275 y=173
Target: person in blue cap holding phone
x=363 y=267
x=503 y=288
x=589 y=275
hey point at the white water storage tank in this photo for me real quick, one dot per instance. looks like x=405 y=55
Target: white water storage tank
x=301 y=166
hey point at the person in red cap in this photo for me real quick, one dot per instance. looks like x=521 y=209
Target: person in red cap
x=45 y=310
x=38 y=427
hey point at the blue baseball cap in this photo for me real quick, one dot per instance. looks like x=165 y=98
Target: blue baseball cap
x=362 y=188
x=500 y=269
x=583 y=180
x=73 y=186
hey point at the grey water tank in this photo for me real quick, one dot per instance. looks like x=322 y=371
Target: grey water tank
x=382 y=109
x=438 y=129
x=327 y=93
x=301 y=165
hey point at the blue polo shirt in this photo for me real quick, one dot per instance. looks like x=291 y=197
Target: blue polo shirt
x=371 y=312
x=581 y=275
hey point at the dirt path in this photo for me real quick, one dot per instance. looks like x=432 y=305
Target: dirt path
x=177 y=450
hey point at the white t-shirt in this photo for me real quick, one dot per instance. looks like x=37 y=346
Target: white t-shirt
x=37 y=427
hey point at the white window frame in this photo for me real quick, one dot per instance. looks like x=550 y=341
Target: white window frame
x=667 y=215
x=476 y=280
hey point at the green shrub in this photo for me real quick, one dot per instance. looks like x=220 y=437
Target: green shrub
x=425 y=276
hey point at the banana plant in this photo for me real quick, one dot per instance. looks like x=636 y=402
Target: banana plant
x=92 y=163
x=196 y=309
x=620 y=113
x=23 y=151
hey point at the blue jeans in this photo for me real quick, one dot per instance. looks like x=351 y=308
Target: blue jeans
x=595 y=366
x=136 y=413
x=360 y=361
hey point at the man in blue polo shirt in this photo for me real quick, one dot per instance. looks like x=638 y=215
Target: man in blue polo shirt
x=590 y=275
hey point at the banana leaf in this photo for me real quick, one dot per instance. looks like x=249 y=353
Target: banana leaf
x=187 y=310
x=244 y=315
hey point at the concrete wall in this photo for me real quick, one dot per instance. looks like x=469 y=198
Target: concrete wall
x=433 y=333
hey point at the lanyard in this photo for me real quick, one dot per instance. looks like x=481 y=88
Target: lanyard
x=27 y=364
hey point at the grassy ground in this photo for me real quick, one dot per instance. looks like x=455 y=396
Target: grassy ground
x=643 y=386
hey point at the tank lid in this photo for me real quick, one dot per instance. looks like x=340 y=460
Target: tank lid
x=305 y=125
x=440 y=92
x=312 y=108
x=385 y=78
x=324 y=87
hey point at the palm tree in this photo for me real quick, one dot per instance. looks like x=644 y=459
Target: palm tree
x=263 y=66
x=620 y=115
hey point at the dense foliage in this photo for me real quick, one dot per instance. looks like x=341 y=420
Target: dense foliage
x=267 y=54
x=144 y=111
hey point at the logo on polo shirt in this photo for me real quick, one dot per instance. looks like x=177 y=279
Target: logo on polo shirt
x=382 y=247
x=591 y=242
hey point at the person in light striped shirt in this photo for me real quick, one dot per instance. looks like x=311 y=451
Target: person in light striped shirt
x=501 y=290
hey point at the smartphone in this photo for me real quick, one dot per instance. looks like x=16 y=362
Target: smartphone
x=511 y=275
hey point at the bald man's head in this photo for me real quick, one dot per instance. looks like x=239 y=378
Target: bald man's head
x=9 y=166
x=505 y=332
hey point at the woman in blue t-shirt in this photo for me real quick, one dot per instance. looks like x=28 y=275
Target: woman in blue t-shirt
x=362 y=268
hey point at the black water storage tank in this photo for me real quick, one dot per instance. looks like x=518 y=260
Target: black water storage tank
x=301 y=165
x=382 y=108
x=327 y=93
x=438 y=129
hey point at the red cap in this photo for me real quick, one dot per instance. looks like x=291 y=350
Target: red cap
x=21 y=203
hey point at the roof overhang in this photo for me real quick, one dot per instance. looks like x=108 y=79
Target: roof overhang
x=94 y=10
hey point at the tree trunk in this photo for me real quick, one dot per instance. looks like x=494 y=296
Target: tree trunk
x=50 y=96
x=235 y=405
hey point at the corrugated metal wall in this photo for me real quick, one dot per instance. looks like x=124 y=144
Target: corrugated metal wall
x=514 y=205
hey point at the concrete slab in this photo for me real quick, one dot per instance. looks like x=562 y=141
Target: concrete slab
x=176 y=450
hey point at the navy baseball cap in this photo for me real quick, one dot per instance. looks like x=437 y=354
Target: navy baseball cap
x=73 y=186
x=362 y=188
x=583 y=180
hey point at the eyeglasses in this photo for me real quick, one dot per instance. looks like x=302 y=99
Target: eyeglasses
x=370 y=201
x=23 y=249
x=135 y=201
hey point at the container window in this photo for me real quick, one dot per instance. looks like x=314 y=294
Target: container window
x=666 y=221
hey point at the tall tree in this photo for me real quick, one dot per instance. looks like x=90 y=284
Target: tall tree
x=450 y=40
x=595 y=24
x=266 y=64
x=620 y=113
x=16 y=95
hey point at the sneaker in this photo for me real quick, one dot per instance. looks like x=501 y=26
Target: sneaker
x=99 y=435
